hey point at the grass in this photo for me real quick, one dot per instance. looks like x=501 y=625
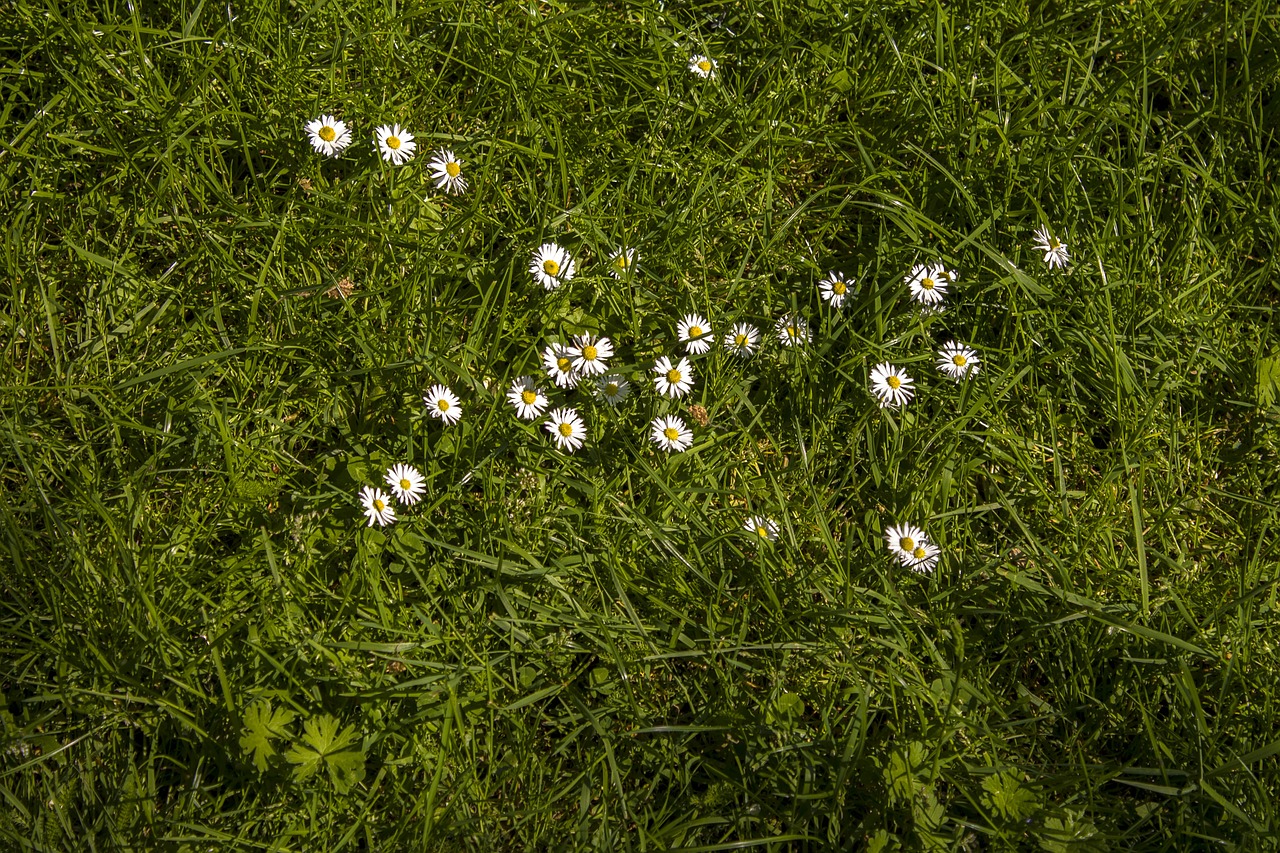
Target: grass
x=204 y=647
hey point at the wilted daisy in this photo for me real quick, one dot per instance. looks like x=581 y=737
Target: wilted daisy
x=834 y=288
x=957 y=360
x=590 y=354
x=407 y=483
x=891 y=384
x=670 y=433
x=377 y=506
x=395 y=144
x=928 y=283
x=793 y=331
x=673 y=380
x=613 y=389
x=702 y=66
x=551 y=266
x=328 y=135
x=442 y=404
x=743 y=339
x=559 y=365
x=447 y=171
x=765 y=529
x=922 y=558
x=695 y=333
x=904 y=539
x=566 y=428
x=1055 y=251
x=527 y=398
x=622 y=262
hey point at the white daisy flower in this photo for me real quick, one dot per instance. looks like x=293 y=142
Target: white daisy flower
x=1055 y=251
x=566 y=428
x=904 y=539
x=835 y=287
x=765 y=529
x=614 y=389
x=328 y=135
x=891 y=385
x=447 y=170
x=407 y=483
x=695 y=333
x=622 y=263
x=442 y=404
x=702 y=66
x=590 y=354
x=395 y=144
x=793 y=331
x=377 y=506
x=743 y=339
x=559 y=365
x=551 y=266
x=670 y=434
x=673 y=380
x=527 y=398
x=922 y=558
x=928 y=283
x=958 y=361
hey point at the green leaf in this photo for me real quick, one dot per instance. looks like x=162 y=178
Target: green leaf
x=324 y=747
x=261 y=726
x=1268 y=380
x=1006 y=796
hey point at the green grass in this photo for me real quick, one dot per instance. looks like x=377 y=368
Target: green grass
x=202 y=646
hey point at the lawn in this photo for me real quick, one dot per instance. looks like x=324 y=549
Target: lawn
x=216 y=338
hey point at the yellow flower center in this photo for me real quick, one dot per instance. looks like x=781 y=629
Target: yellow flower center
x=405 y=485
x=671 y=433
x=621 y=261
x=919 y=553
x=442 y=404
x=906 y=543
x=1054 y=244
x=563 y=363
x=393 y=142
x=589 y=353
x=529 y=397
x=695 y=331
x=328 y=134
x=673 y=376
x=550 y=267
x=927 y=283
x=379 y=505
x=762 y=531
x=566 y=429
x=791 y=330
x=452 y=169
x=611 y=389
x=740 y=340
x=838 y=288
x=958 y=360
x=894 y=382
x=705 y=66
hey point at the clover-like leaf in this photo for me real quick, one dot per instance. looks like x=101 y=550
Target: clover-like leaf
x=324 y=746
x=262 y=725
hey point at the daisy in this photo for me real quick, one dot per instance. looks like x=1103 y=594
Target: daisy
x=891 y=385
x=527 y=398
x=904 y=539
x=613 y=388
x=695 y=333
x=957 y=361
x=928 y=283
x=622 y=262
x=566 y=428
x=407 y=483
x=447 y=171
x=377 y=506
x=559 y=365
x=793 y=331
x=743 y=339
x=702 y=66
x=670 y=433
x=442 y=404
x=551 y=266
x=673 y=380
x=590 y=355
x=766 y=529
x=395 y=144
x=922 y=558
x=328 y=135
x=834 y=288
x=1055 y=251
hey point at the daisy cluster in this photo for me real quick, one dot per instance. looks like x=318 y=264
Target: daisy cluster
x=395 y=145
